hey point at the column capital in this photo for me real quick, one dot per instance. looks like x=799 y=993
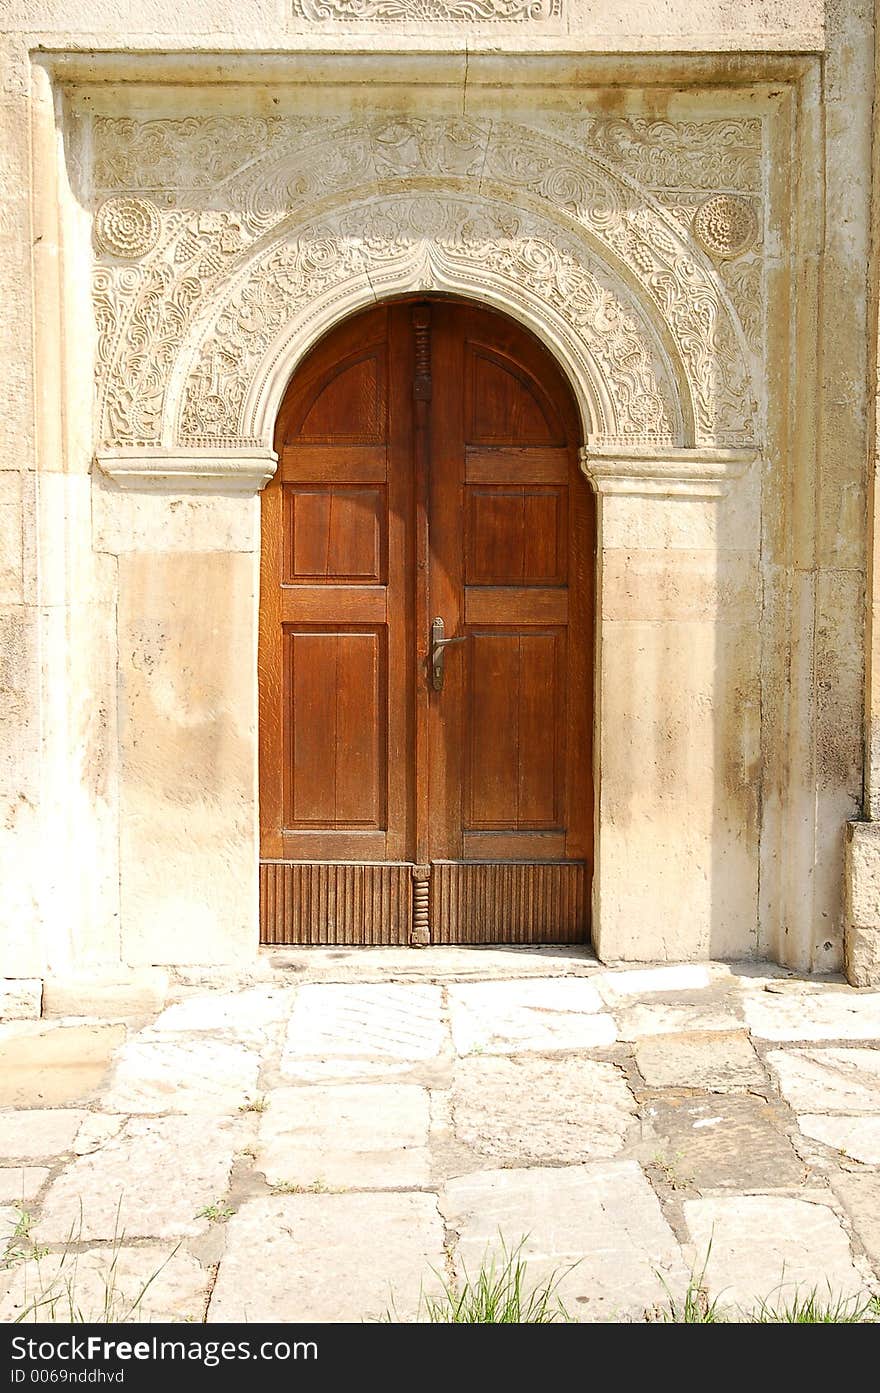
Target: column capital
x=240 y=468
x=699 y=471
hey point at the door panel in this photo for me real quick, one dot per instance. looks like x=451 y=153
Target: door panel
x=337 y=718
x=338 y=903
x=427 y=468
x=508 y=716
x=336 y=676
x=348 y=401
x=516 y=745
x=516 y=536
x=503 y=403
x=336 y=534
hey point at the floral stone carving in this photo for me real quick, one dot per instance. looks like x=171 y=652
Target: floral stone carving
x=428 y=11
x=551 y=214
x=434 y=241
x=127 y=227
x=726 y=224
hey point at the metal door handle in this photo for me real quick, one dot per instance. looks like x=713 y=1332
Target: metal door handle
x=439 y=645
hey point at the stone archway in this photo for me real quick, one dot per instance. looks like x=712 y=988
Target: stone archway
x=206 y=303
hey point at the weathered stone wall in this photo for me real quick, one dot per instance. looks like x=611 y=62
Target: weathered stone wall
x=862 y=946
x=714 y=210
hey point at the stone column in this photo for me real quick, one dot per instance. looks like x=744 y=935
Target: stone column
x=22 y=941
x=678 y=739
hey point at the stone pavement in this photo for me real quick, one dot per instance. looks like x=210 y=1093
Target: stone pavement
x=347 y=1129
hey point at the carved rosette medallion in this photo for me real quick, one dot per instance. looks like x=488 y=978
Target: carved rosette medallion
x=725 y=225
x=127 y=227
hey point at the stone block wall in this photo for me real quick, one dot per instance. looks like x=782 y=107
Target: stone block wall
x=732 y=654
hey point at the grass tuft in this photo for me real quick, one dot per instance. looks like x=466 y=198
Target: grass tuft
x=499 y=1295
x=260 y=1104
x=695 y=1308
x=316 y=1187
x=216 y=1213
x=813 y=1309
x=58 y=1297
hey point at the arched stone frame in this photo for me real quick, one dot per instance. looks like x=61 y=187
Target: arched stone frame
x=685 y=453
x=563 y=242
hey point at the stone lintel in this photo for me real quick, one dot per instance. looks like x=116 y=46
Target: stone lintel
x=664 y=471
x=220 y=468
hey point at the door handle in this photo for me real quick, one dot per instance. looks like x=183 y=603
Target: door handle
x=439 y=645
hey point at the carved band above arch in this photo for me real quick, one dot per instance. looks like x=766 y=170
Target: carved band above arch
x=198 y=336
x=427 y=11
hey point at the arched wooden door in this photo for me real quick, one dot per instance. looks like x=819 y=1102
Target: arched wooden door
x=426 y=640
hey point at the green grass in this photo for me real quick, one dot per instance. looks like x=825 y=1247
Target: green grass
x=813 y=1309
x=694 y=1309
x=216 y=1213
x=315 y=1187
x=21 y=1244
x=58 y=1296
x=499 y=1295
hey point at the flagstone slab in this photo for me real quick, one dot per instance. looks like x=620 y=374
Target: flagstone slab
x=250 y=1016
x=150 y=1181
x=340 y=1030
x=506 y=1017
x=856 y=1137
x=528 y=1110
x=351 y=1135
x=860 y=1193
x=97 y=1128
x=598 y=1228
x=330 y=1257
x=56 y=1064
x=148 y=1283
x=196 y=1075
x=719 y=1142
x=22 y=1029
x=633 y=982
x=19 y=1184
x=708 y=1011
x=20 y=998
x=717 y=1061
x=10 y=1215
x=453 y=962
x=769 y=1248
x=833 y=1014
x=133 y=992
x=828 y=1080
x=38 y=1134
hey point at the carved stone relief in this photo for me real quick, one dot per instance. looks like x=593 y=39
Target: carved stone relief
x=725 y=225
x=438 y=238
x=428 y=11
x=209 y=242
x=127 y=227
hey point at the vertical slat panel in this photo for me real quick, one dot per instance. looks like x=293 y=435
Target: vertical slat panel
x=498 y=902
x=271 y=898
x=335 y=903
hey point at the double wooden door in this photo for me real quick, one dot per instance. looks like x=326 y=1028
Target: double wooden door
x=426 y=640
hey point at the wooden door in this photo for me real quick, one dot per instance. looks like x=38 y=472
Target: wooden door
x=408 y=792
x=511 y=569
